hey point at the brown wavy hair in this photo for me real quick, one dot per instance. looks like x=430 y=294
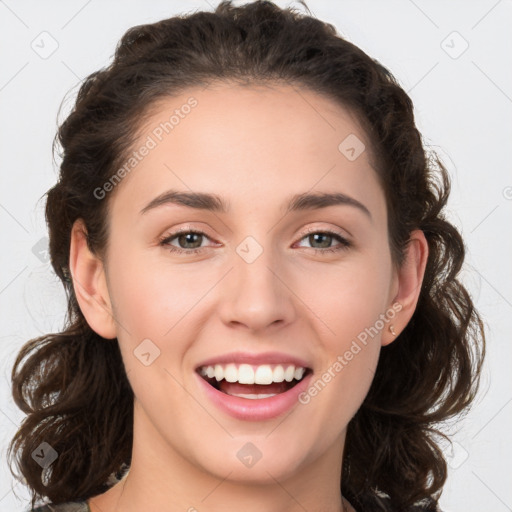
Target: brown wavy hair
x=72 y=385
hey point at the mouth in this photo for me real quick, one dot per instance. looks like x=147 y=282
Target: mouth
x=253 y=382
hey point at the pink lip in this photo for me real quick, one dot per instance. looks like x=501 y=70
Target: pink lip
x=255 y=359
x=258 y=409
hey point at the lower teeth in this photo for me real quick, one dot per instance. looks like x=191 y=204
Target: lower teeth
x=252 y=397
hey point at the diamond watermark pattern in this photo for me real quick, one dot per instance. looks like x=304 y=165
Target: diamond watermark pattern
x=455 y=454
x=351 y=147
x=40 y=250
x=454 y=45
x=146 y=352
x=249 y=249
x=45 y=45
x=44 y=455
x=249 y=455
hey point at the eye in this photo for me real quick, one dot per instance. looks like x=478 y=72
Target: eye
x=190 y=241
x=324 y=238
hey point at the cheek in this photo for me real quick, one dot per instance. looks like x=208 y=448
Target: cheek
x=348 y=303
x=155 y=304
x=150 y=301
x=346 y=298
x=348 y=312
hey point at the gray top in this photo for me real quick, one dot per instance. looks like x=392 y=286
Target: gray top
x=82 y=506
x=79 y=505
x=70 y=506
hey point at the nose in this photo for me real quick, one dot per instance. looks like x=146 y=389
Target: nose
x=256 y=294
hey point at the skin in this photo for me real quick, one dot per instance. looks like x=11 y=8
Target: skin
x=255 y=147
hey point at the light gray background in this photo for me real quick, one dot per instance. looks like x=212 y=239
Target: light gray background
x=463 y=106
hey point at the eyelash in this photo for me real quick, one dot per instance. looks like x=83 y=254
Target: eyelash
x=164 y=242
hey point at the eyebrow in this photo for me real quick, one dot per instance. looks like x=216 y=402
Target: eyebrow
x=214 y=203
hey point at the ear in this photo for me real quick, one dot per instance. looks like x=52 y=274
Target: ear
x=89 y=283
x=407 y=284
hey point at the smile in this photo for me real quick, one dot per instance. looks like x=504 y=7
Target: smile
x=251 y=391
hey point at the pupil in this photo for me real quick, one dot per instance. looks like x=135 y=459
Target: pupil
x=187 y=236
x=328 y=237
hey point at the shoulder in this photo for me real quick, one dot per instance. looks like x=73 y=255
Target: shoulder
x=70 y=506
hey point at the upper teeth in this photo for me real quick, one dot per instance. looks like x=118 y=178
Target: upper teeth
x=248 y=374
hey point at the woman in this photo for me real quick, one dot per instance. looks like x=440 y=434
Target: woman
x=251 y=369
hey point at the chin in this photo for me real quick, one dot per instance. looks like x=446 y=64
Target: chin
x=243 y=459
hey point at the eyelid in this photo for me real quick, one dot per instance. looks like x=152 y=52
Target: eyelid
x=307 y=231
x=184 y=229
x=336 y=230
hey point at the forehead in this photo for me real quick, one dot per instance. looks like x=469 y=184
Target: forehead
x=256 y=143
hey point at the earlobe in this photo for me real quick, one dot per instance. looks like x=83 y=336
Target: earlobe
x=89 y=283
x=410 y=278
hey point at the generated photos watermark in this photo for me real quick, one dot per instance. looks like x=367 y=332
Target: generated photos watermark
x=343 y=360
x=157 y=135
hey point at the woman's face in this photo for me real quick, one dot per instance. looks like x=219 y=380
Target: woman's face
x=266 y=284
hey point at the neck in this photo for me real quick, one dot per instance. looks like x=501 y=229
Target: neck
x=160 y=478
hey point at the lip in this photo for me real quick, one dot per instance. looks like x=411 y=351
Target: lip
x=258 y=409
x=255 y=359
